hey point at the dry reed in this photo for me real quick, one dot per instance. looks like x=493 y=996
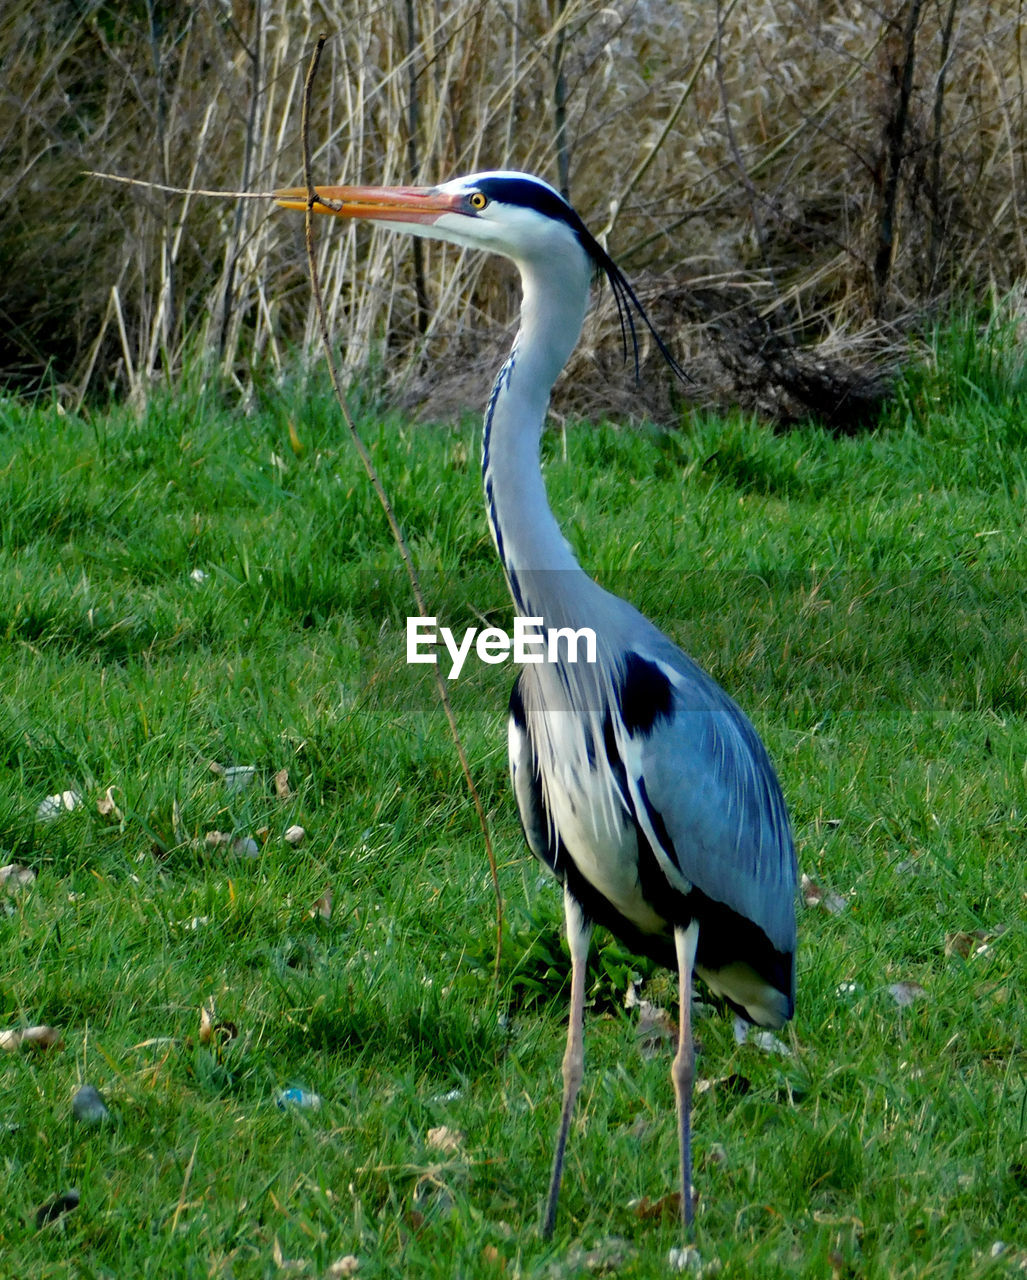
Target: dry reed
x=794 y=184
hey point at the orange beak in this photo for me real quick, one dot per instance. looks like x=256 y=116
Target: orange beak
x=382 y=204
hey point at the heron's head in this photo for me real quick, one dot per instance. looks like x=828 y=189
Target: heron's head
x=513 y=214
x=501 y=211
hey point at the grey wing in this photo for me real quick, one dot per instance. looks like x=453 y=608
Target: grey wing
x=705 y=792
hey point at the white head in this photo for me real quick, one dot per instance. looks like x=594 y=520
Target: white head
x=501 y=211
x=514 y=214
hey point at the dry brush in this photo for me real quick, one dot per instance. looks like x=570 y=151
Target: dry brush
x=796 y=185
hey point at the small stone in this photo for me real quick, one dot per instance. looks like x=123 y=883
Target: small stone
x=236 y=777
x=685 y=1258
x=59 y=1205
x=88 y=1106
x=14 y=877
x=53 y=806
x=905 y=993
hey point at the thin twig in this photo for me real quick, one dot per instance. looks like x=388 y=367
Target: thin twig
x=178 y=191
x=234 y=246
x=563 y=160
x=372 y=475
x=755 y=199
x=413 y=160
x=935 y=230
x=894 y=153
x=618 y=201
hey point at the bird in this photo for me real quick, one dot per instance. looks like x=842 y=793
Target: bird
x=639 y=781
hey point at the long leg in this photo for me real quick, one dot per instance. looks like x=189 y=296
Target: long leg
x=682 y=1071
x=579 y=934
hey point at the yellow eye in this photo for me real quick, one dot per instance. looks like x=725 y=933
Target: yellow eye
x=477 y=200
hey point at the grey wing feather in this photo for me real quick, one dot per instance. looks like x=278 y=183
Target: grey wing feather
x=709 y=794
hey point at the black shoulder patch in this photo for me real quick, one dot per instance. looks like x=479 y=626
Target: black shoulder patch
x=646 y=695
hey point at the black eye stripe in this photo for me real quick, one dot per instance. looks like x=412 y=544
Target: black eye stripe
x=533 y=195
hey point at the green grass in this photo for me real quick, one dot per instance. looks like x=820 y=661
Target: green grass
x=865 y=599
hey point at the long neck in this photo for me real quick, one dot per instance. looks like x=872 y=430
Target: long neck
x=527 y=537
x=565 y=701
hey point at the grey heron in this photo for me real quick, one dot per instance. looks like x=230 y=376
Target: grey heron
x=640 y=783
